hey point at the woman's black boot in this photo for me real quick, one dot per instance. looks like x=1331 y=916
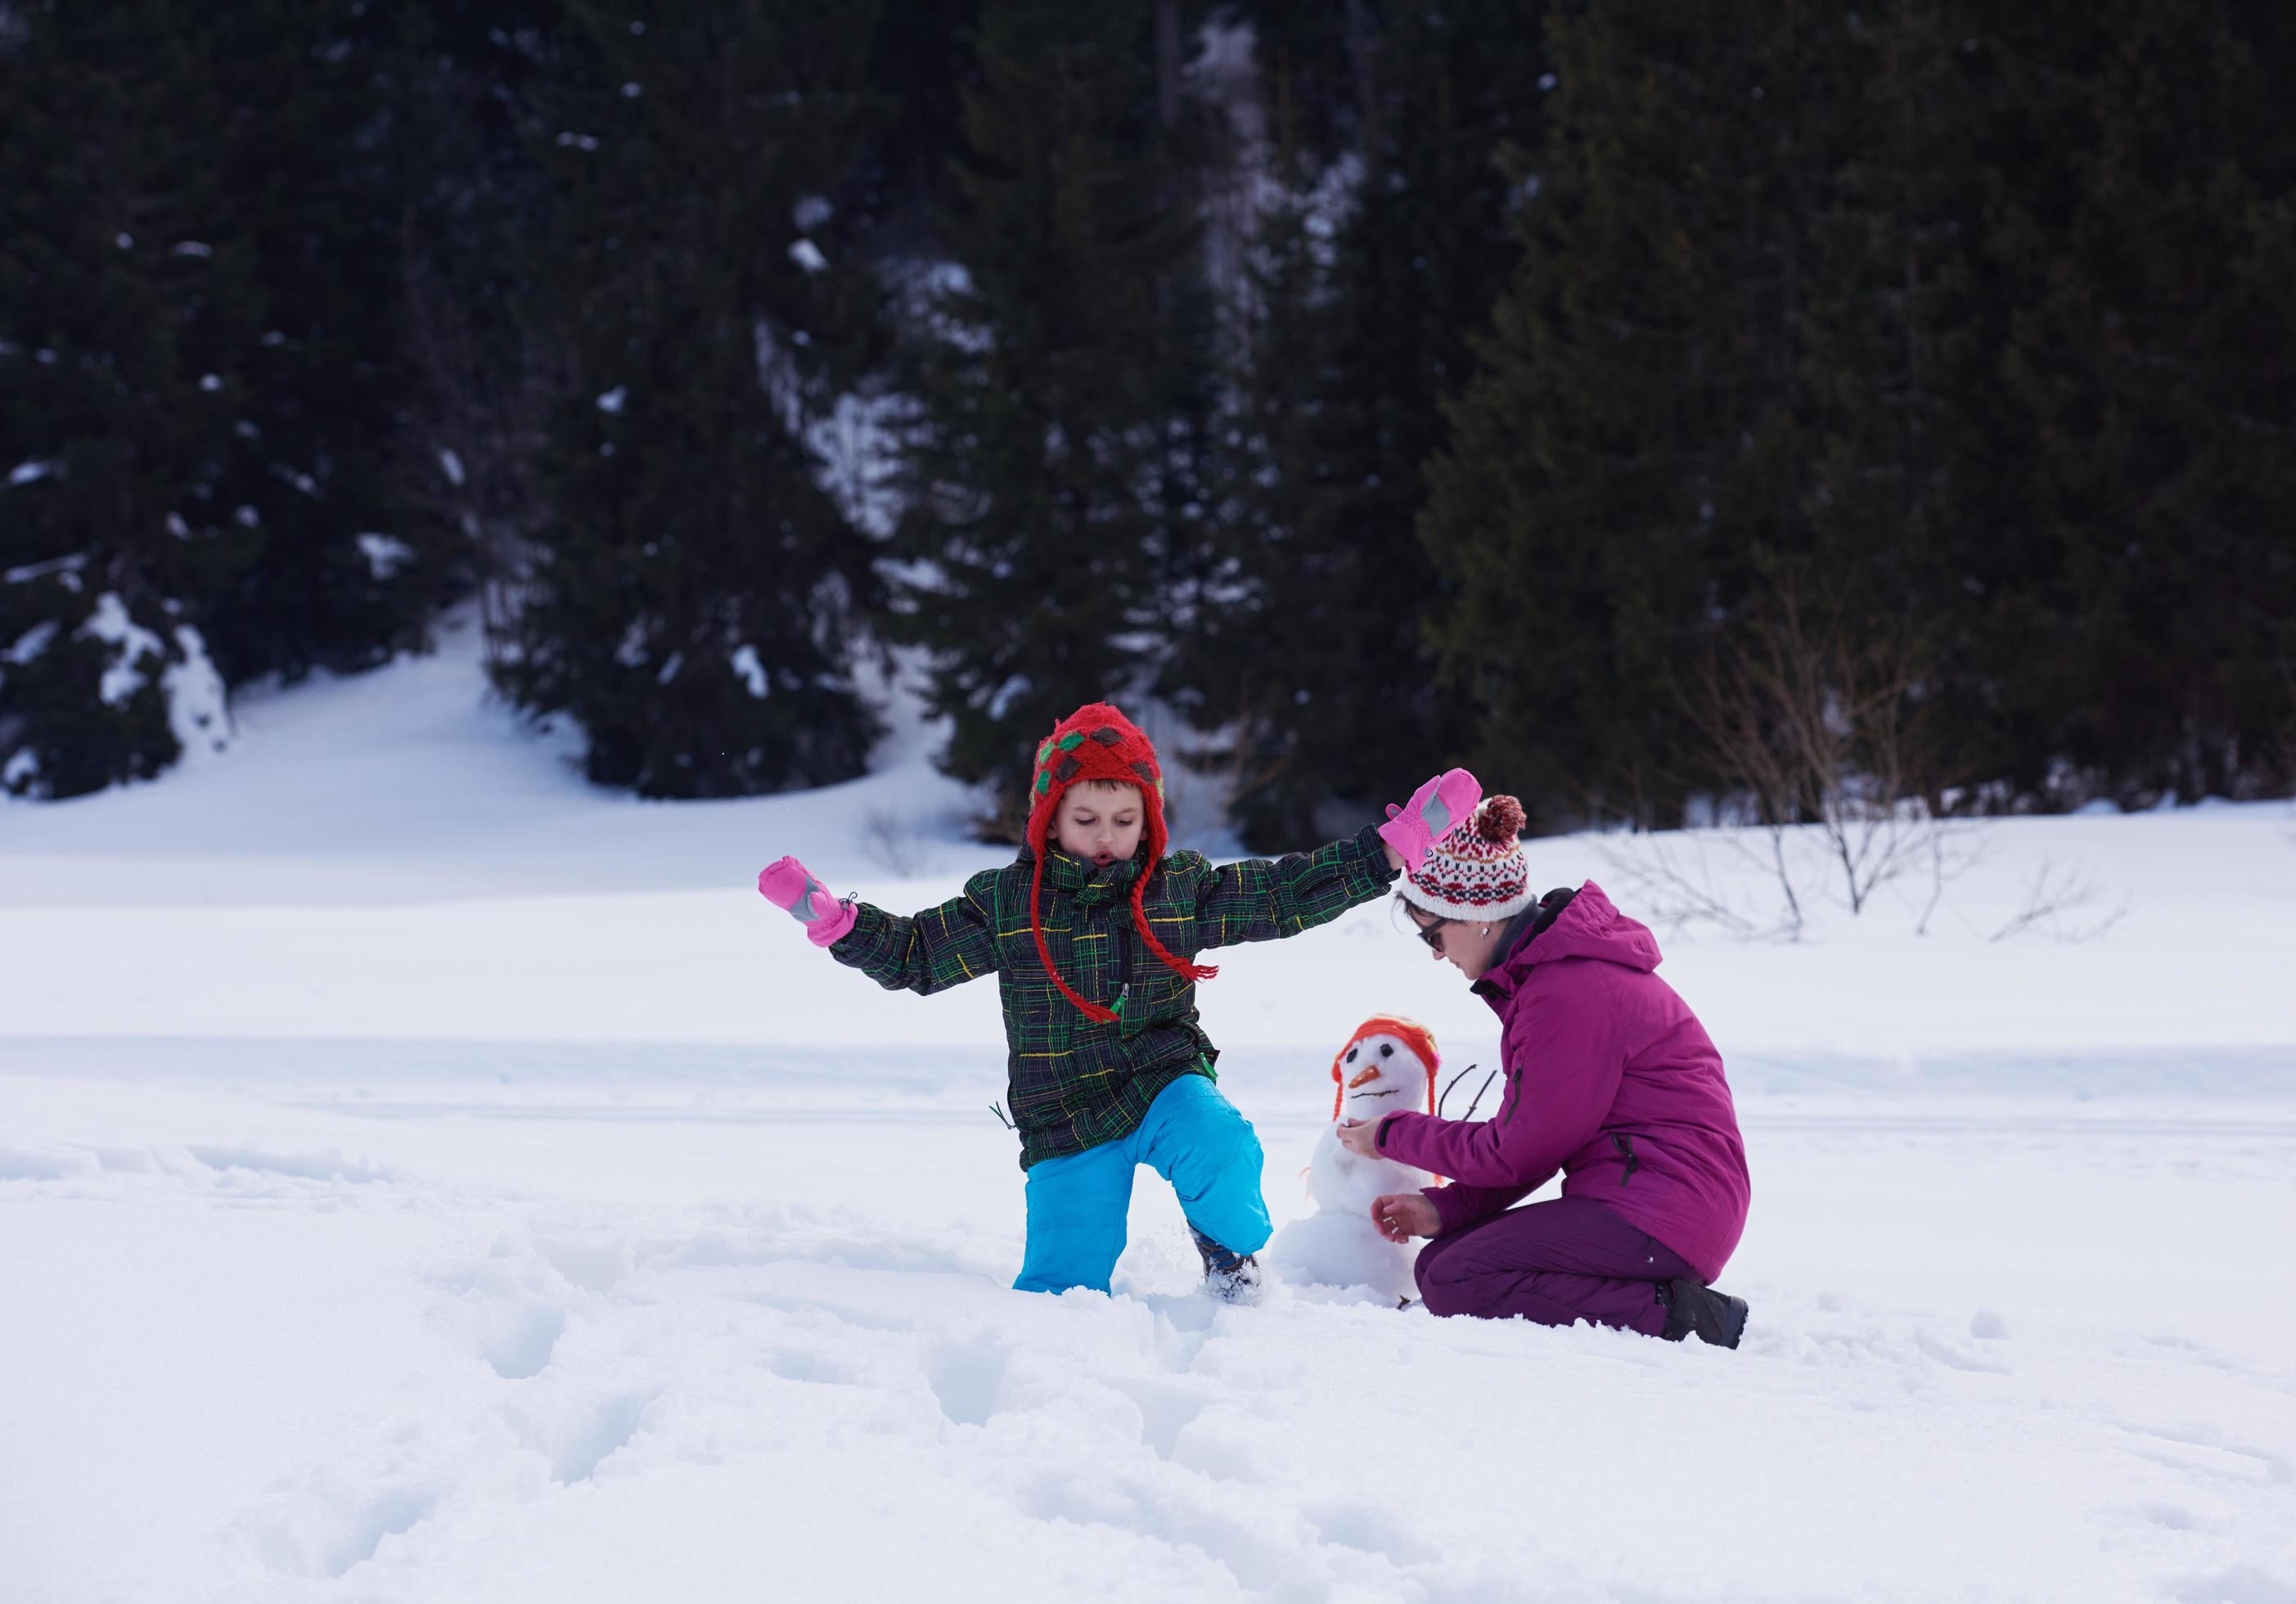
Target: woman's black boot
x=1692 y=1305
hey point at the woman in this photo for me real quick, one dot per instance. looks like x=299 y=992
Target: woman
x=1609 y=1079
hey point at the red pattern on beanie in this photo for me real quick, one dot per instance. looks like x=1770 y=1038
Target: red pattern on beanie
x=1098 y=743
x=1477 y=868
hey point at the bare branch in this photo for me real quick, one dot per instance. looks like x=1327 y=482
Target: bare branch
x=894 y=840
x=1818 y=729
x=1670 y=891
x=2055 y=892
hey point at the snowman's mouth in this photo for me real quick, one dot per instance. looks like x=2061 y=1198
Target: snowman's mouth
x=1387 y=1093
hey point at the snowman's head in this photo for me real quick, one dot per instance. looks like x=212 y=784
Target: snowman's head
x=1388 y=1065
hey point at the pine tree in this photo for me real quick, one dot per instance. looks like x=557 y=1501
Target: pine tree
x=1968 y=326
x=485 y=373
x=1379 y=331
x=319 y=173
x=1052 y=467
x=200 y=326
x=1633 y=456
x=1222 y=673
x=128 y=313
x=1317 y=60
x=1369 y=298
x=1911 y=521
x=693 y=603
x=919 y=64
x=2152 y=235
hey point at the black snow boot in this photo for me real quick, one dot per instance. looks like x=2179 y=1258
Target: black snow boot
x=1232 y=1277
x=1692 y=1305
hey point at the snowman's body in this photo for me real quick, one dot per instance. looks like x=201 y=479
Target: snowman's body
x=1337 y=1245
x=1341 y=1182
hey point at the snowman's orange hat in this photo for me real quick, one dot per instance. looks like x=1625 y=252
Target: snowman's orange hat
x=1413 y=1034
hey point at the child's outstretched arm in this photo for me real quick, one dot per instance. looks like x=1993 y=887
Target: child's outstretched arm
x=1259 y=901
x=940 y=948
x=1263 y=900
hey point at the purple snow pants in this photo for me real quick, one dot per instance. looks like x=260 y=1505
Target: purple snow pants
x=1555 y=1262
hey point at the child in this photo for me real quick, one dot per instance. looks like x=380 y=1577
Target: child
x=1092 y=933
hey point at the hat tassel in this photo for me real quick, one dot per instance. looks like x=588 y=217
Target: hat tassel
x=1178 y=965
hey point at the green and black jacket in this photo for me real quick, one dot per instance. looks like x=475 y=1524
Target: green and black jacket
x=1074 y=1084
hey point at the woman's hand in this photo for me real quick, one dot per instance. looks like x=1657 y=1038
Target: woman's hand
x=1360 y=1137
x=1400 y=1216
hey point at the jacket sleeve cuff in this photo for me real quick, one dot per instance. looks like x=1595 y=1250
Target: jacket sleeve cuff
x=1458 y=1207
x=1366 y=863
x=863 y=944
x=1394 y=1138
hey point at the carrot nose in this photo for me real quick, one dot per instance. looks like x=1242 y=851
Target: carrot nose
x=1369 y=1074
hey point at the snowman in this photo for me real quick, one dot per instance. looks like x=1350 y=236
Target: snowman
x=1387 y=1064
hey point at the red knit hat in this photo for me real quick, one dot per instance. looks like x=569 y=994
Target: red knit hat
x=1413 y=1034
x=1098 y=743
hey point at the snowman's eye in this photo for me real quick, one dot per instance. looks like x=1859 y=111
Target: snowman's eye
x=1387 y=1049
x=1352 y=1052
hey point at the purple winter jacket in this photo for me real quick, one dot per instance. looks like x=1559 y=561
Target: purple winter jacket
x=1610 y=1079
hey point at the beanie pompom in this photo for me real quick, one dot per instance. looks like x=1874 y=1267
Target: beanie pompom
x=1499 y=820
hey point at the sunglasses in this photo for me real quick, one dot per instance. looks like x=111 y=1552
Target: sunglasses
x=1432 y=934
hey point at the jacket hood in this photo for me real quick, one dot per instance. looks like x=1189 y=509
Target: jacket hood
x=1589 y=927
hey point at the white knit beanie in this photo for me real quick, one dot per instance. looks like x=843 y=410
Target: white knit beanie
x=1476 y=871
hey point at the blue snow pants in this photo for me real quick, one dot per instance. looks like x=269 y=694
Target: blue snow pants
x=1193 y=1138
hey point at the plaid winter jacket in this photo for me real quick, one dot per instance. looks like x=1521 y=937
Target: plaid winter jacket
x=1074 y=1084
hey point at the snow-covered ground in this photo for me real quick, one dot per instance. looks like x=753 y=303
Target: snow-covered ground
x=424 y=1177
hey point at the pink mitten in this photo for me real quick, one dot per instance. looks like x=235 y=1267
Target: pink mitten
x=786 y=883
x=1431 y=811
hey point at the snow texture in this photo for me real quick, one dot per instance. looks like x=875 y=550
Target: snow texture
x=385 y=555
x=199 y=709
x=33 y=642
x=750 y=672
x=423 y=1177
x=131 y=644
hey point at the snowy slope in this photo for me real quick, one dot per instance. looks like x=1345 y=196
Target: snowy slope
x=423 y=1177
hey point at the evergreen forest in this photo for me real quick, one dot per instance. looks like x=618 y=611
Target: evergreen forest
x=1623 y=398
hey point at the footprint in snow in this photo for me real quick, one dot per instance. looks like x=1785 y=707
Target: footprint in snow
x=328 y=1529
x=805 y=1364
x=1167 y=1409
x=1368 y=1530
x=967 y=1377
x=520 y=1339
x=1254 y=1559
x=504 y=1316
x=577 y=1434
